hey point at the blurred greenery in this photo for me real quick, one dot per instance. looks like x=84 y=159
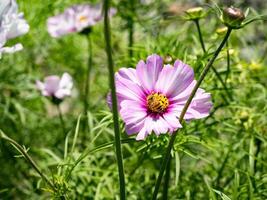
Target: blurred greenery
x=220 y=157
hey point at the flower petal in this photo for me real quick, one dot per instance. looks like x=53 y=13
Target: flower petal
x=126 y=88
x=173 y=80
x=148 y=72
x=51 y=84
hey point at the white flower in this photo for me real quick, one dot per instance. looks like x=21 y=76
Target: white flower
x=57 y=87
x=12 y=24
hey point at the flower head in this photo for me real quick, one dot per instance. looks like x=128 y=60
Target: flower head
x=12 y=24
x=233 y=17
x=152 y=96
x=75 y=19
x=56 y=87
x=195 y=13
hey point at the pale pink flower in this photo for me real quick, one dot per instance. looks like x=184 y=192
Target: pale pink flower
x=75 y=19
x=152 y=96
x=56 y=87
x=12 y=25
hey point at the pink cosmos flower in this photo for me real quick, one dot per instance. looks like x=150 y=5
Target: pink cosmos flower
x=56 y=87
x=12 y=25
x=75 y=19
x=152 y=96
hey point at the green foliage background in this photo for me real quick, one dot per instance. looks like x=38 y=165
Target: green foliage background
x=220 y=157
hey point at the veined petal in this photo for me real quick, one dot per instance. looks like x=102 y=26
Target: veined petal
x=148 y=72
x=173 y=80
x=127 y=89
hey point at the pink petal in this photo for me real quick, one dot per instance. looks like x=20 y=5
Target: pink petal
x=173 y=80
x=148 y=72
x=51 y=84
x=127 y=89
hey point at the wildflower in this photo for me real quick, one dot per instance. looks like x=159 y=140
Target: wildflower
x=12 y=25
x=152 y=96
x=75 y=19
x=56 y=87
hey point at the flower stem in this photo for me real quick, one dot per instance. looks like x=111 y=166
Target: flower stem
x=28 y=158
x=88 y=74
x=131 y=29
x=200 y=35
x=61 y=119
x=213 y=68
x=167 y=155
x=228 y=62
x=167 y=180
x=114 y=100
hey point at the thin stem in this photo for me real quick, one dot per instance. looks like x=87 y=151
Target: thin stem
x=228 y=62
x=88 y=74
x=131 y=29
x=213 y=68
x=251 y=156
x=200 y=35
x=28 y=158
x=258 y=147
x=114 y=100
x=220 y=171
x=186 y=106
x=61 y=119
x=167 y=180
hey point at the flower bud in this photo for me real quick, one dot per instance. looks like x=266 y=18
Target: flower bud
x=168 y=59
x=221 y=31
x=233 y=17
x=195 y=13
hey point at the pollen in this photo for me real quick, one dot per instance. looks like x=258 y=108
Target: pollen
x=157 y=103
x=82 y=18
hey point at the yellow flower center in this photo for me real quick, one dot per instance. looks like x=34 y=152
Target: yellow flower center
x=157 y=103
x=82 y=18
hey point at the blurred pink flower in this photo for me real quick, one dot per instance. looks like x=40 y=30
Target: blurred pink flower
x=152 y=96
x=75 y=19
x=12 y=24
x=56 y=87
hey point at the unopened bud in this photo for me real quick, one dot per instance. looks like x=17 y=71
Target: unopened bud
x=221 y=31
x=195 y=13
x=233 y=17
x=168 y=59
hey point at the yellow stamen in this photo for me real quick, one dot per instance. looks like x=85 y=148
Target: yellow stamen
x=82 y=18
x=157 y=103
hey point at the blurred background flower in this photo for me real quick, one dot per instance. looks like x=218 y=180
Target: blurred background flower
x=12 y=25
x=56 y=87
x=75 y=19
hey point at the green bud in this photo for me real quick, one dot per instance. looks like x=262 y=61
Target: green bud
x=168 y=59
x=221 y=31
x=195 y=13
x=233 y=17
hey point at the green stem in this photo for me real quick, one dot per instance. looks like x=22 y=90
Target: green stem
x=213 y=68
x=251 y=156
x=61 y=120
x=200 y=35
x=88 y=73
x=28 y=158
x=114 y=100
x=166 y=181
x=228 y=62
x=186 y=106
x=131 y=29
